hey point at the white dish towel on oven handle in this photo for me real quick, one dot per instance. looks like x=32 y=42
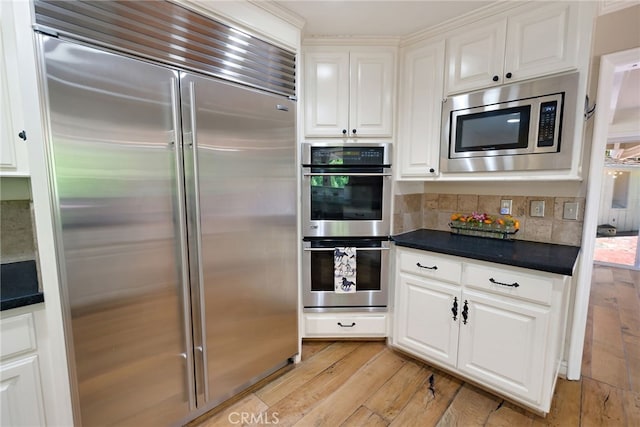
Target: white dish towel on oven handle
x=344 y=268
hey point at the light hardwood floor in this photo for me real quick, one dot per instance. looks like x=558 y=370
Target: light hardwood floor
x=359 y=383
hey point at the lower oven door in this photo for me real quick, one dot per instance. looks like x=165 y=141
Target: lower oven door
x=372 y=264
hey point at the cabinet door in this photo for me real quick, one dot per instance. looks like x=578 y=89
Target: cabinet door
x=503 y=344
x=475 y=58
x=21 y=394
x=420 y=109
x=13 y=150
x=326 y=93
x=371 y=94
x=542 y=41
x=424 y=322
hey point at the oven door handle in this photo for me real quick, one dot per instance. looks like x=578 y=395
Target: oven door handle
x=332 y=249
x=345 y=174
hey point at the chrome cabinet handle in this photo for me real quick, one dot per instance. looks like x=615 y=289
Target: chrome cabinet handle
x=512 y=285
x=435 y=267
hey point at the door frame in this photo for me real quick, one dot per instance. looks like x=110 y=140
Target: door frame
x=609 y=65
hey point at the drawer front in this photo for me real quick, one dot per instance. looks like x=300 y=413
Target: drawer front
x=348 y=325
x=517 y=284
x=427 y=264
x=18 y=335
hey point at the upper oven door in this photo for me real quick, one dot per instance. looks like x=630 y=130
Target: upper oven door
x=345 y=193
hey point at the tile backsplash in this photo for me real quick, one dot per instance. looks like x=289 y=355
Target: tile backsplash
x=17 y=242
x=433 y=211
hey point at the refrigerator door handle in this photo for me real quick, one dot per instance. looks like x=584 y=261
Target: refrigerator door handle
x=182 y=238
x=200 y=331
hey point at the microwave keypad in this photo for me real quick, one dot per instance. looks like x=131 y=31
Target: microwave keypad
x=547 y=124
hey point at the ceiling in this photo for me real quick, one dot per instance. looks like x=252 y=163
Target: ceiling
x=376 y=18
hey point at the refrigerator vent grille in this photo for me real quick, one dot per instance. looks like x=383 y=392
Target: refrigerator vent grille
x=171 y=34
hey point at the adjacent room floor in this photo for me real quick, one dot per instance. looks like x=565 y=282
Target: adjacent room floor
x=360 y=383
x=617 y=250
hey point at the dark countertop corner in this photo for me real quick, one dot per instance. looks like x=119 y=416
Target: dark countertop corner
x=548 y=257
x=19 y=285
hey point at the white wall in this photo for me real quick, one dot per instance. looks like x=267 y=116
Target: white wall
x=623 y=219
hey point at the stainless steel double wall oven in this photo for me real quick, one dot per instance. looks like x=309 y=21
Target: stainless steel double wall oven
x=346 y=202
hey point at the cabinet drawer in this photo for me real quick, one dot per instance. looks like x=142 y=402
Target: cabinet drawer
x=427 y=264
x=515 y=284
x=18 y=335
x=348 y=325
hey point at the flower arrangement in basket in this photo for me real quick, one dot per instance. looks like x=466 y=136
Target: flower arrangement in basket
x=484 y=225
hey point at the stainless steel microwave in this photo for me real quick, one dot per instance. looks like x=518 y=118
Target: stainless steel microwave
x=522 y=126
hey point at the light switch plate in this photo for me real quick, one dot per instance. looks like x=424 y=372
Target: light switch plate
x=570 y=210
x=537 y=208
x=505 y=207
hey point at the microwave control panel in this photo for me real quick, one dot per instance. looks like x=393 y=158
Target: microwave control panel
x=547 y=123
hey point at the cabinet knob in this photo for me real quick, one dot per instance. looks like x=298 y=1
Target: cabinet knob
x=432 y=170
x=509 y=75
x=22 y=135
x=344 y=131
x=353 y=131
x=496 y=78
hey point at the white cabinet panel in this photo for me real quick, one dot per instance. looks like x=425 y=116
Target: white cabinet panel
x=420 y=108
x=343 y=325
x=503 y=344
x=532 y=41
x=475 y=57
x=349 y=92
x=325 y=95
x=13 y=149
x=424 y=321
x=541 y=41
x=20 y=393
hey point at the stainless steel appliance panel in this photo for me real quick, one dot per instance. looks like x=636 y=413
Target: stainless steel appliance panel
x=242 y=181
x=565 y=86
x=342 y=200
x=318 y=275
x=113 y=148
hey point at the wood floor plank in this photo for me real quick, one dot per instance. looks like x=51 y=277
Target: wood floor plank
x=311 y=347
x=334 y=410
x=304 y=372
x=588 y=344
x=632 y=352
x=301 y=401
x=426 y=406
x=602 y=405
x=471 y=407
x=631 y=404
x=509 y=415
x=389 y=400
x=565 y=406
x=364 y=417
x=251 y=404
x=608 y=362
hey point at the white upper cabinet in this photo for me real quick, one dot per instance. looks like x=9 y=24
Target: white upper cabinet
x=348 y=92
x=529 y=43
x=13 y=149
x=420 y=104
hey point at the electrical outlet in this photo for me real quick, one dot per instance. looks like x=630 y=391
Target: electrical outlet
x=505 y=207
x=537 y=208
x=570 y=210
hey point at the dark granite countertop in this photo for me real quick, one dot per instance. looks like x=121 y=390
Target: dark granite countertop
x=547 y=257
x=19 y=285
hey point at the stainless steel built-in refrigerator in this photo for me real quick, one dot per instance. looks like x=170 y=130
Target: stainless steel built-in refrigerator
x=176 y=210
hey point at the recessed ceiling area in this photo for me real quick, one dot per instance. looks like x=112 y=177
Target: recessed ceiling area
x=624 y=117
x=332 y=18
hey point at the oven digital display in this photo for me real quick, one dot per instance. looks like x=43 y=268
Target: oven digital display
x=357 y=156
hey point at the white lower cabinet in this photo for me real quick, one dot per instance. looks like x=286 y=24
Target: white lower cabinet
x=20 y=388
x=498 y=326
